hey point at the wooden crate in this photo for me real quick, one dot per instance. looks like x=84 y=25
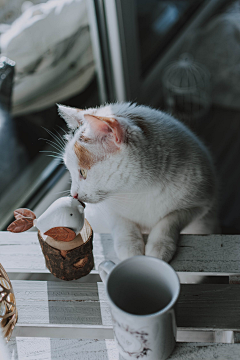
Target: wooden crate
x=72 y=320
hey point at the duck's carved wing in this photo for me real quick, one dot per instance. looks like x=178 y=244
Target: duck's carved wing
x=61 y=233
x=20 y=225
x=22 y=213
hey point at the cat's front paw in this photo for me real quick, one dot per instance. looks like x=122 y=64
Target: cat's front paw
x=125 y=250
x=162 y=249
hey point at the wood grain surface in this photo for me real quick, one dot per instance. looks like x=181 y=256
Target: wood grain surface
x=200 y=307
x=71 y=265
x=210 y=254
x=64 y=349
x=71 y=311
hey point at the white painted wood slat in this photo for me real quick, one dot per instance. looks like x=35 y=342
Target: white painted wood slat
x=73 y=310
x=66 y=312
x=64 y=349
x=21 y=252
x=209 y=254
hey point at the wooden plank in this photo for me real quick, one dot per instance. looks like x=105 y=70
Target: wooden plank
x=209 y=306
x=213 y=254
x=62 y=349
x=21 y=252
x=67 y=331
x=65 y=349
x=205 y=352
x=74 y=310
x=208 y=254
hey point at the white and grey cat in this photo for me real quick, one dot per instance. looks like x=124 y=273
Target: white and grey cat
x=148 y=172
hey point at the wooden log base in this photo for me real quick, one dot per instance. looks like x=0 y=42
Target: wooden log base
x=70 y=264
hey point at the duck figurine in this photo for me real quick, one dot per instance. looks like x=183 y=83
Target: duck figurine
x=62 y=221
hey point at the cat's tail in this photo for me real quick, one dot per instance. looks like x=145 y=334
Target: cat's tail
x=24 y=221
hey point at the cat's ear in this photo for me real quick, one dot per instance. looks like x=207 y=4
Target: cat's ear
x=72 y=116
x=106 y=126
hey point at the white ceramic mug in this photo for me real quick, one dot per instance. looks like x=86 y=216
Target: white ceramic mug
x=142 y=292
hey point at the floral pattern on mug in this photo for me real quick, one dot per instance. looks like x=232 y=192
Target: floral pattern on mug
x=133 y=342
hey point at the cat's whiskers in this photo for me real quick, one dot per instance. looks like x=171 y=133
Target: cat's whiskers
x=59 y=139
x=67 y=192
x=59 y=145
x=49 y=151
x=58 y=157
x=55 y=158
x=54 y=145
x=65 y=137
x=66 y=133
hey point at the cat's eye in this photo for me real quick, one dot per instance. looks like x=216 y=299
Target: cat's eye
x=83 y=173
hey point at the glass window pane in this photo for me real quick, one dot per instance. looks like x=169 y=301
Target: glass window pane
x=159 y=21
x=51 y=46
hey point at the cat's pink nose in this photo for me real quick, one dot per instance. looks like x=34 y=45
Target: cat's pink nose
x=75 y=196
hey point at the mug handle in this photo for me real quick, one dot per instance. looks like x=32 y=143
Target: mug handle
x=104 y=269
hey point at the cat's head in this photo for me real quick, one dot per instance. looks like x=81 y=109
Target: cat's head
x=99 y=152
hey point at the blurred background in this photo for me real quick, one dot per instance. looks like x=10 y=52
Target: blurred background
x=181 y=56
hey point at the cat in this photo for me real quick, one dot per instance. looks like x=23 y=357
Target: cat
x=147 y=171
